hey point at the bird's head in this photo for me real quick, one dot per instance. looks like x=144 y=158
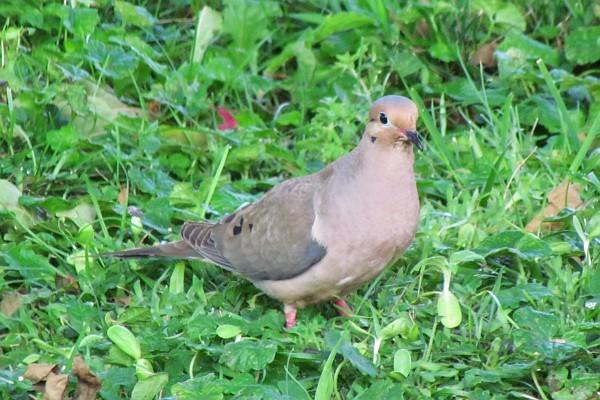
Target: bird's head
x=392 y=121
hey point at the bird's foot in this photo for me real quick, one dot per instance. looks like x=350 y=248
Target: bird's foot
x=290 y=316
x=342 y=307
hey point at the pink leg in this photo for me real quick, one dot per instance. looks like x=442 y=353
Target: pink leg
x=343 y=307
x=290 y=316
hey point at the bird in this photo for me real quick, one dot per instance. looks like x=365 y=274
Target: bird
x=318 y=237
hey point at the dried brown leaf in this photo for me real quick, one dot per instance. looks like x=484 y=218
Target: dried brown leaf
x=564 y=195
x=422 y=28
x=67 y=283
x=39 y=372
x=485 y=55
x=56 y=386
x=11 y=302
x=123 y=195
x=88 y=383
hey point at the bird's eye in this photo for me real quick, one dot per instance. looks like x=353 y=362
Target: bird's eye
x=383 y=118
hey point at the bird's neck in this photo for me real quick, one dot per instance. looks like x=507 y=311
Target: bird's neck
x=395 y=159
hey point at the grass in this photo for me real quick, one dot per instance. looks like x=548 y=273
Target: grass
x=110 y=138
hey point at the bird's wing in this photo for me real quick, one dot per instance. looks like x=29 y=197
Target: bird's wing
x=268 y=240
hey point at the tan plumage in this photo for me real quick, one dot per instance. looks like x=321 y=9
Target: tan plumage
x=317 y=237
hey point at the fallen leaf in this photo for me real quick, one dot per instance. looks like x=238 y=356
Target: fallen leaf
x=122 y=197
x=67 y=283
x=9 y=200
x=422 y=28
x=103 y=103
x=277 y=76
x=186 y=136
x=53 y=386
x=56 y=386
x=88 y=384
x=81 y=215
x=485 y=55
x=153 y=107
x=229 y=121
x=11 y=302
x=122 y=300
x=39 y=372
x=563 y=196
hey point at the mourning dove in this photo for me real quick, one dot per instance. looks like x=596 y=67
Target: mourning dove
x=318 y=237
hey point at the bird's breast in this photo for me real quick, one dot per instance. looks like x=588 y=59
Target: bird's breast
x=373 y=220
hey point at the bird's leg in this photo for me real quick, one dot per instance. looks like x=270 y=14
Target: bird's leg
x=290 y=316
x=342 y=307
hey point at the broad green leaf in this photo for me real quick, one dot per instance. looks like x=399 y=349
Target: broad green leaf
x=325 y=386
x=176 y=283
x=529 y=48
x=351 y=353
x=464 y=91
x=444 y=51
x=510 y=298
x=204 y=387
x=135 y=15
x=79 y=315
x=135 y=316
x=537 y=343
x=510 y=15
x=30 y=264
x=247 y=355
x=539 y=321
x=402 y=362
x=125 y=341
x=143 y=50
x=465 y=256
x=148 y=388
x=383 y=389
x=583 y=45
x=62 y=139
x=209 y=24
x=524 y=245
x=82 y=21
x=448 y=309
x=91 y=339
x=293 y=389
x=341 y=22
x=143 y=368
x=402 y=326
x=82 y=215
x=228 y=331
x=85 y=235
x=307 y=62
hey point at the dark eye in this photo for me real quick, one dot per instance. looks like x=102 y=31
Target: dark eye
x=383 y=118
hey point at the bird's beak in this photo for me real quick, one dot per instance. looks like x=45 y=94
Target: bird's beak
x=413 y=136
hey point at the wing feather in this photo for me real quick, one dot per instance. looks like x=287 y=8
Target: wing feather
x=268 y=240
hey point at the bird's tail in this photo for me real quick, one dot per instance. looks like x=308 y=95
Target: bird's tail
x=179 y=249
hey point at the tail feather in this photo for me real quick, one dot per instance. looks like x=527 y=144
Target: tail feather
x=179 y=249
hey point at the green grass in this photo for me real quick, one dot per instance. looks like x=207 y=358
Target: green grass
x=109 y=139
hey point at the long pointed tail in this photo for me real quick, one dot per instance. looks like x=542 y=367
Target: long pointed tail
x=179 y=249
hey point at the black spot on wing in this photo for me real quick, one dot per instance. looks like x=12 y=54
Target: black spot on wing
x=250 y=226
x=237 y=229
